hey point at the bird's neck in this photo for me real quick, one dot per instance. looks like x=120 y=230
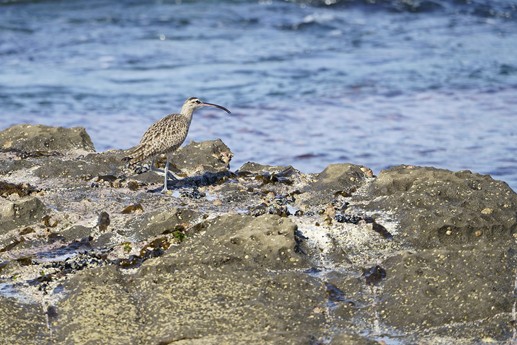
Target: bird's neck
x=187 y=113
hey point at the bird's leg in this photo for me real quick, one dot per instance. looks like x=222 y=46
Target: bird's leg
x=160 y=171
x=153 y=168
x=164 y=190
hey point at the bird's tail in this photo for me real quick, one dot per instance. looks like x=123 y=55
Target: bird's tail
x=136 y=156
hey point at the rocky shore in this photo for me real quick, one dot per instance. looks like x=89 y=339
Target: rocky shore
x=92 y=253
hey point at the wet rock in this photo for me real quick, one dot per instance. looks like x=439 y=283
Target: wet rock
x=29 y=138
x=336 y=180
x=438 y=208
x=436 y=288
x=22 y=323
x=25 y=211
x=200 y=157
x=158 y=223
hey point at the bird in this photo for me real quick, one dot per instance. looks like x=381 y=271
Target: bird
x=166 y=135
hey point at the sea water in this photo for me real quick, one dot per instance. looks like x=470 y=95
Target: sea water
x=309 y=83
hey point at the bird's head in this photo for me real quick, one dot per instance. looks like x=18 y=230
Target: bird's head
x=194 y=103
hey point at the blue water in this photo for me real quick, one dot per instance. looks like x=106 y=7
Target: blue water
x=309 y=82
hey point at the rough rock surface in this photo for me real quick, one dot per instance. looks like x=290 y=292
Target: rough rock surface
x=22 y=323
x=91 y=252
x=256 y=168
x=337 y=179
x=438 y=208
x=267 y=241
x=24 y=211
x=159 y=222
x=34 y=138
x=221 y=282
x=436 y=287
x=207 y=156
x=84 y=167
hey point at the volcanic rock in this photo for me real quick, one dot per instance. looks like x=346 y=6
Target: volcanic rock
x=25 y=211
x=439 y=208
x=31 y=138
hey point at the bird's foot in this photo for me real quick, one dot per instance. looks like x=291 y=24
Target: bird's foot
x=165 y=190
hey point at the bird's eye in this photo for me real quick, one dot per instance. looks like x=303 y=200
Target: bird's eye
x=198 y=101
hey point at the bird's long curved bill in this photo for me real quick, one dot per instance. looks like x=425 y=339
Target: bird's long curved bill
x=217 y=106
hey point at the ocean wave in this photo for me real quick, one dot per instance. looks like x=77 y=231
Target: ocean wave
x=483 y=8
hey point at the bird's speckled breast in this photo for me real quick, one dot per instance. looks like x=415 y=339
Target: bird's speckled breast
x=174 y=133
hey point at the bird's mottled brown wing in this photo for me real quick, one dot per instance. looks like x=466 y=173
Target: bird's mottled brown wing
x=164 y=136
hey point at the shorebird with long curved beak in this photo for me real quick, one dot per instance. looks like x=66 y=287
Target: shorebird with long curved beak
x=166 y=135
